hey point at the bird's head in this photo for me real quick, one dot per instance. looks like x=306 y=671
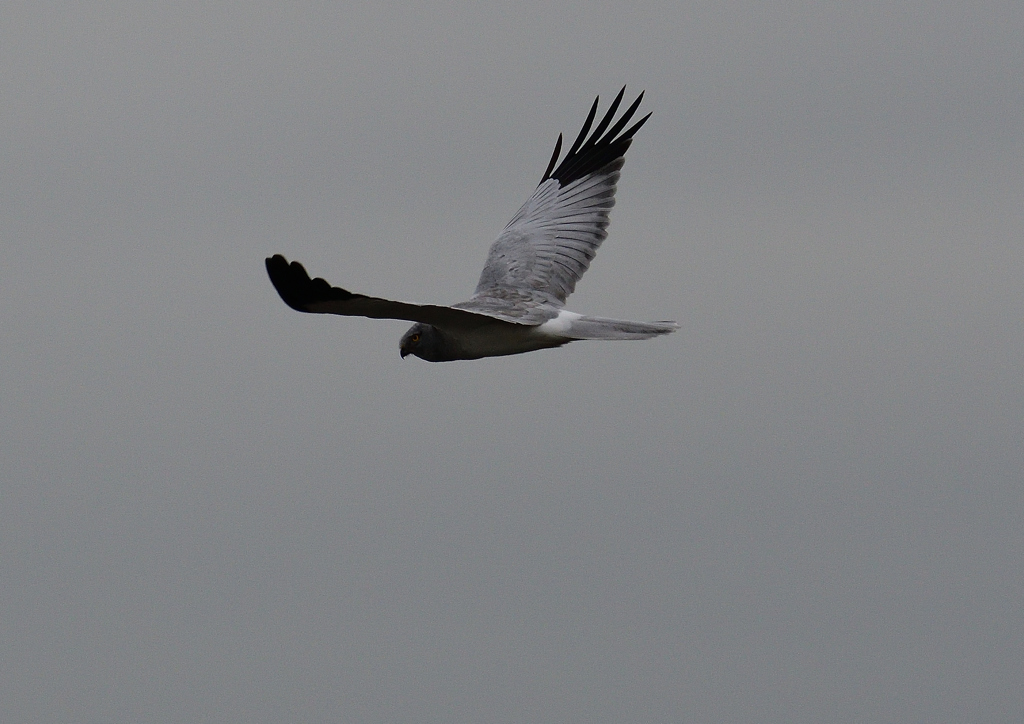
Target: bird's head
x=423 y=341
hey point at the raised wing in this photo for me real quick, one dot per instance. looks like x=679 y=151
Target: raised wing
x=552 y=239
x=318 y=297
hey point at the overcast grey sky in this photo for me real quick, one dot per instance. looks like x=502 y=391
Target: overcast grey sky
x=806 y=506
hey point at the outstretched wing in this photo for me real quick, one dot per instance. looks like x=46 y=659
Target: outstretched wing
x=317 y=296
x=550 y=242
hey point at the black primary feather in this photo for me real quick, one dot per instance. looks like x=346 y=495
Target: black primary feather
x=585 y=129
x=554 y=157
x=296 y=288
x=600 y=149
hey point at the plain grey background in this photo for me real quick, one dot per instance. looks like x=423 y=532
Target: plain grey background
x=806 y=506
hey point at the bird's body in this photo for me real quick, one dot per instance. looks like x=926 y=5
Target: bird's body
x=530 y=271
x=494 y=338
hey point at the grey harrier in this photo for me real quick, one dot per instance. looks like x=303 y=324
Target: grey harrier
x=518 y=305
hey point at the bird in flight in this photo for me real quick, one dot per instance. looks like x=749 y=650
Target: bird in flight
x=531 y=269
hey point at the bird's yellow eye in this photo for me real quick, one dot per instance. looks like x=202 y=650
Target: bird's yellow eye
x=414 y=339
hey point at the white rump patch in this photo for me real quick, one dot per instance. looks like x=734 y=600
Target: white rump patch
x=560 y=325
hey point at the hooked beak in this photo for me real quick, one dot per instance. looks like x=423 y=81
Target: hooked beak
x=404 y=352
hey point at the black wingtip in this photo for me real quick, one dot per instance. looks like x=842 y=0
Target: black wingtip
x=588 y=155
x=554 y=159
x=297 y=290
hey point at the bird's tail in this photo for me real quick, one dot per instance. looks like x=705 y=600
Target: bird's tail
x=600 y=328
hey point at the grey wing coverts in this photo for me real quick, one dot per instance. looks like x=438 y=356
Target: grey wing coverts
x=530 y=271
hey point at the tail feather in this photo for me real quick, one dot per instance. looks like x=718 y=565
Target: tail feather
x=600 y=328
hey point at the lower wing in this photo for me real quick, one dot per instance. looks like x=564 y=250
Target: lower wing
x=318 y=297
